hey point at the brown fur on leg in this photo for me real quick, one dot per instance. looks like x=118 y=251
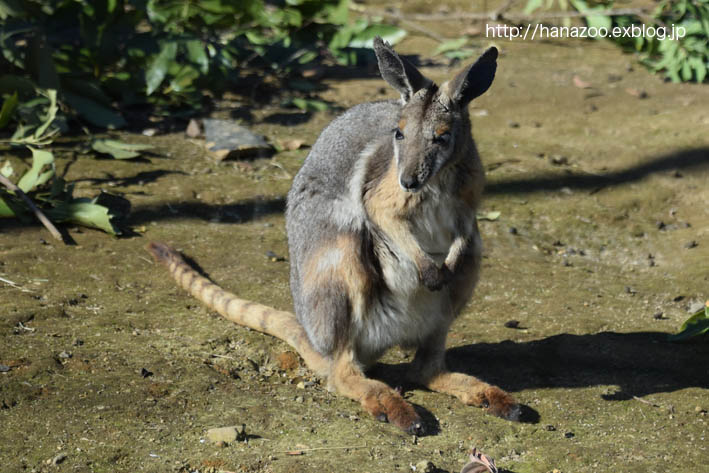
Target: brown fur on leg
x=429 y=369
x=376 y=397
x=473 y=392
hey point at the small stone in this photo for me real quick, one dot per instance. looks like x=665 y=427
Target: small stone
x=558 y=160
x=691 y=244
x=569 y=435
x=299 y=399
x=4 y=368
x=549 y=428
x=65 y=355
x=512 y=324
x=513 y=124
x=658 y=315
x=424 y=466
x=226 y=434
x=300 y=385
x=699 y=409
x=630 y=290
x=193 y=129
x=695 y=307
x=145 y=373
x=513 y=231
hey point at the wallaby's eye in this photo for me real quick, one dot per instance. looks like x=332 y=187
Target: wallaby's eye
x=442 y=139
x=398 y=134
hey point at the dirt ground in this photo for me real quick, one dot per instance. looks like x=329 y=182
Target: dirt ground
x=600 y=250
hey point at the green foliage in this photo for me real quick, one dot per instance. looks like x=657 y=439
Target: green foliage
x=118 y=149
x=697 y=324
x=674 y=41
x=454 y=49
x=103 y=56
x=50 y=193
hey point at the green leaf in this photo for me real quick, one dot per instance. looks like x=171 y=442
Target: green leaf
x=35 y=177
x=308 y=105
x=365 y=38
x=339 y=14
x=158 y=68
x=94 y=112
x=491 y=216
x=696 y=325
x=5 y=209
x=47 y=120
x=450 y=45
x=197 y=53
x=8 y=108
x=531 y=6
x=119 y=149
x=7 y=169
x=184 y=78
x=85 y=212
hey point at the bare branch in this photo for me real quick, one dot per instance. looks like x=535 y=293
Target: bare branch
x=38 y=213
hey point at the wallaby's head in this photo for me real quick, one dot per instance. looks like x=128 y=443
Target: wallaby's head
x=433 y=128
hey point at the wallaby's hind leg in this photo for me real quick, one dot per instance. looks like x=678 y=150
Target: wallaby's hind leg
x=429 y=369
x=377 y=398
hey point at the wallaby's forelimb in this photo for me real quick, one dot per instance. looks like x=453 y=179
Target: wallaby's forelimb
x=280 y=324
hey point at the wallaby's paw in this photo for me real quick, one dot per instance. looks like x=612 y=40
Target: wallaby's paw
x=501 y=404
x=434 y=278
x=391 y=407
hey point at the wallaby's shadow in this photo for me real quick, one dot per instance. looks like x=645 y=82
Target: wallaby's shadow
x=639 y=363
x=244 y=211
x=690 y=159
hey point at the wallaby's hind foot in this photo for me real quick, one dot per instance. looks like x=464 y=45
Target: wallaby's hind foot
x=381 y=401
x=473 y=392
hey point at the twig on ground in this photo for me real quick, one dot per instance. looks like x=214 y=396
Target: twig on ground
x=38 y=213
x=321 y=448
x=14 y=284
x=646 y=402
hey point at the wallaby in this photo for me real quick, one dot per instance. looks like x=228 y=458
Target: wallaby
x=384 y=244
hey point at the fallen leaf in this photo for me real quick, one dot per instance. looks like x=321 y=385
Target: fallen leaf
x=491 y=216
x=295 y=452
x=119 y=149
x=580 y=83
x=479 y=463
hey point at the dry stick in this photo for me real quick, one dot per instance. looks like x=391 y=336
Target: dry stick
x=646 y=402
x=38 y=213
x=321 y=448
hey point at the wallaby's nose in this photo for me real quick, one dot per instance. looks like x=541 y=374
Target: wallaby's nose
x=410 y=183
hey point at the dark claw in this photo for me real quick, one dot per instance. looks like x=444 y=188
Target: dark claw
x=382 y=417
x=514 y=413
x=416 y=429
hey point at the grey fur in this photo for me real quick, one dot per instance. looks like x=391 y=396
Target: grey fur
x=411 y=296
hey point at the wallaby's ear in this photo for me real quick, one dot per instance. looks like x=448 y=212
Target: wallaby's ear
x=397 y=71
x=474 y=80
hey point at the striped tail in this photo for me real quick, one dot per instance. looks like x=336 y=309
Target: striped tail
x=280 y=324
